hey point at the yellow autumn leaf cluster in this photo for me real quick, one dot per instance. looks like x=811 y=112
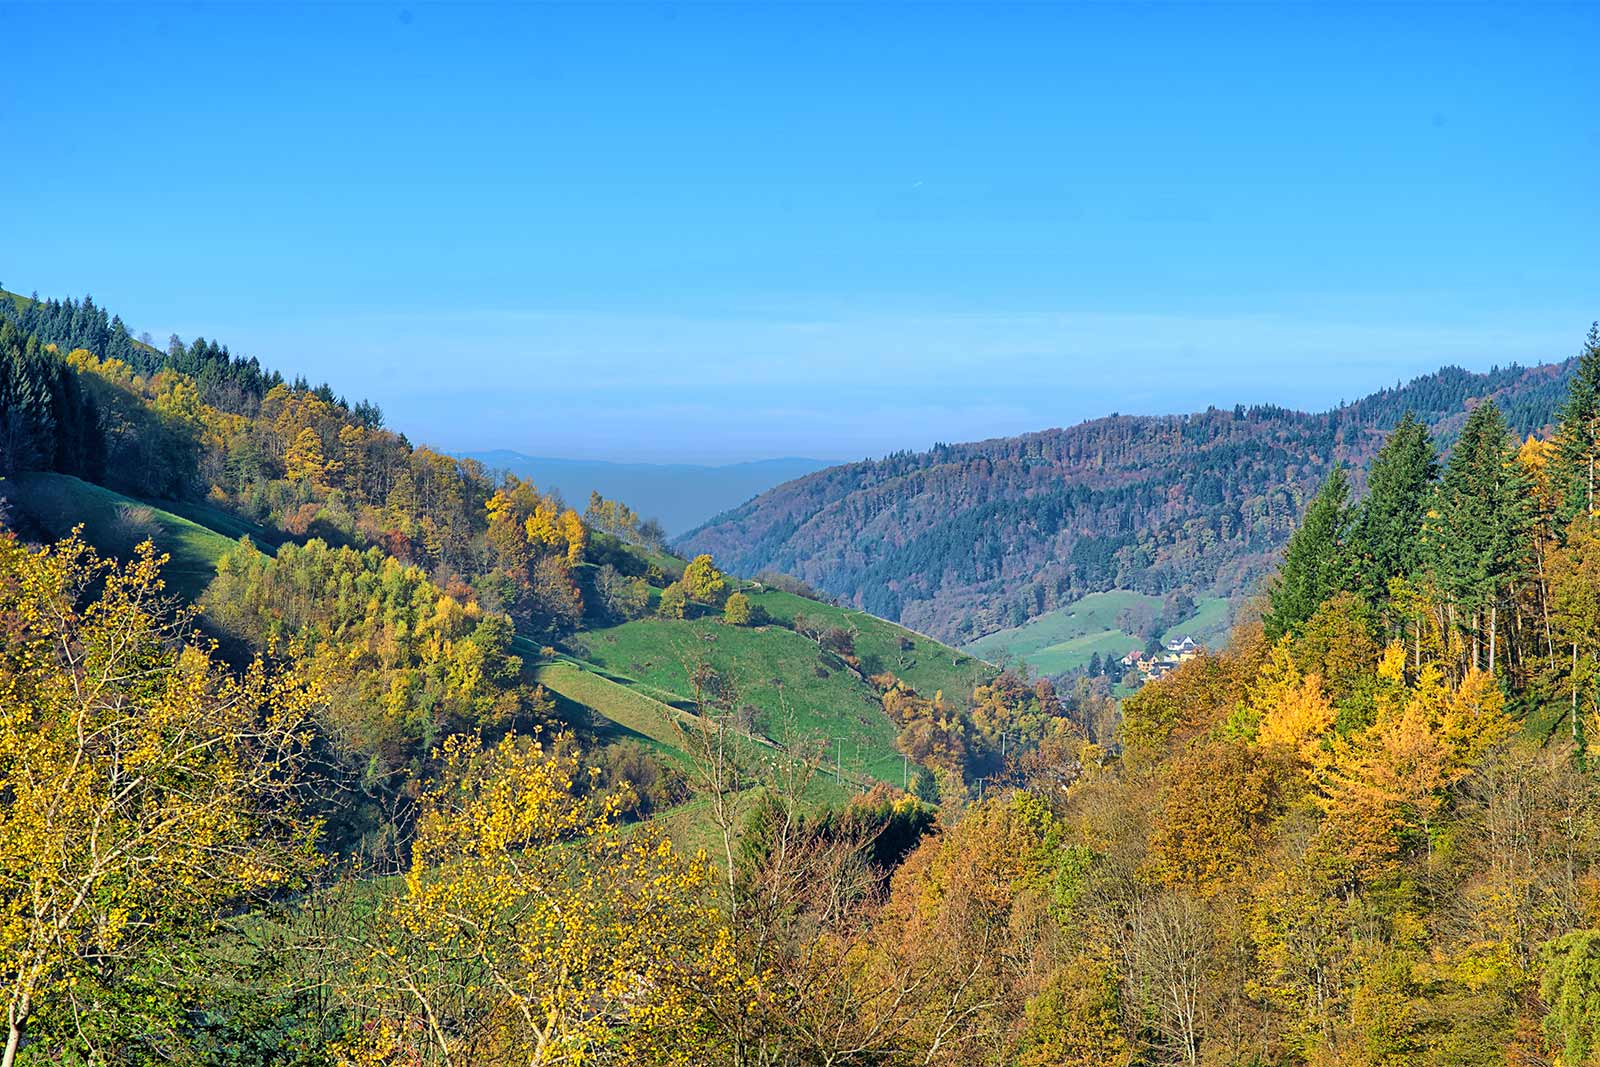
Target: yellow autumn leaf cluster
x=145 y=785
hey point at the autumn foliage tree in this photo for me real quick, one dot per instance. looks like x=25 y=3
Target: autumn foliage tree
x=702 y=581
x=533 y=930
x=736 y=612
x=145 y=786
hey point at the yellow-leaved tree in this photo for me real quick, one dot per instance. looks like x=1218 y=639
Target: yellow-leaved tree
x=1383 y=787
x=533 y=929
x=143 y=788
x=702 y=581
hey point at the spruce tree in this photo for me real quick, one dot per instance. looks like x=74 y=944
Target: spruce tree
x=1478 y=526
x=1387 y=536
x=1315 y=565
x=1575 y=467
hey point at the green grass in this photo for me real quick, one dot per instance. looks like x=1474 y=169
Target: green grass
x=223 y=522
x=1093 y=615
x=633 y=711
x=1067 y=638
x=798 y=694
x=628 y=713
x=1208 y=625
x=927 y=666
x=1077 y=652
x=114 y=524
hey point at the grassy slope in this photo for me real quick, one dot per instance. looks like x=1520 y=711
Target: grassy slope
x=926 y=666
x=1209 y=624
x=798 y=692
x=223 y=522
x=635 y=712
x=58 y=502
x=628 y=713
x=1066 y=638
x=772 y=669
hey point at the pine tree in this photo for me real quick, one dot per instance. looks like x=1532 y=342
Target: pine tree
x=1575 y=469
x=1315 y=565
x=1386 y=541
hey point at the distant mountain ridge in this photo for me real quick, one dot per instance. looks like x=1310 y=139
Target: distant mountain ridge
x=964 y=539
x=679 y=495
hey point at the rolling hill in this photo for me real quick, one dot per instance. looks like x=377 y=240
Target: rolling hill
x=195 y=448
x=786 y=686
x=964 y=540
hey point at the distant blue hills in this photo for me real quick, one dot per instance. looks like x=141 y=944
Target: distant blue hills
x=681 y=496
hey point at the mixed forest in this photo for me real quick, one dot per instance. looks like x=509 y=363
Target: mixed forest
x=965 y=540
x=418 y=764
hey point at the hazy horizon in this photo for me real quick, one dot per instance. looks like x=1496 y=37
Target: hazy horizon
x=720 y=234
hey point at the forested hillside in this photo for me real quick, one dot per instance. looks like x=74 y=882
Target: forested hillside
x=964 y=540
x=426 y=590
x=377 y=825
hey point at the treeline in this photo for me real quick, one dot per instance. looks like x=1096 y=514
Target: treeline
x=197 y=424
x=1481 y=561
x=231 y=383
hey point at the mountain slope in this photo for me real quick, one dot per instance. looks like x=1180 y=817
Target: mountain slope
x=962 y=540
x=678 y=495
x=447 y=594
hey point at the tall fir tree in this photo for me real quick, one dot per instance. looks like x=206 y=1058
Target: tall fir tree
x=1316 y=562
x=1575 y=468
x=1478 y=527
x=1386 y=538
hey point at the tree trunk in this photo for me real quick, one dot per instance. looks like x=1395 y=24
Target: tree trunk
x=1493 y=623
x=16 y=1019
x=1574 y=692
x=1544 y=606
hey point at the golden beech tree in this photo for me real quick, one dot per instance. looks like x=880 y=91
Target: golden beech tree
x=736 y=612
x=145 y=786
x=702 y=581
x=532 y=929
x=1220 y=802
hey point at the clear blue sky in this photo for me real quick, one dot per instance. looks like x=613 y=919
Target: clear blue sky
x=702 y=232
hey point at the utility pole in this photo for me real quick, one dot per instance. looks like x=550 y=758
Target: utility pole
x=838 y=759
x=905 y=772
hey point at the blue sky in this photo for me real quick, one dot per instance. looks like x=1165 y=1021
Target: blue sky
x=702 y=233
